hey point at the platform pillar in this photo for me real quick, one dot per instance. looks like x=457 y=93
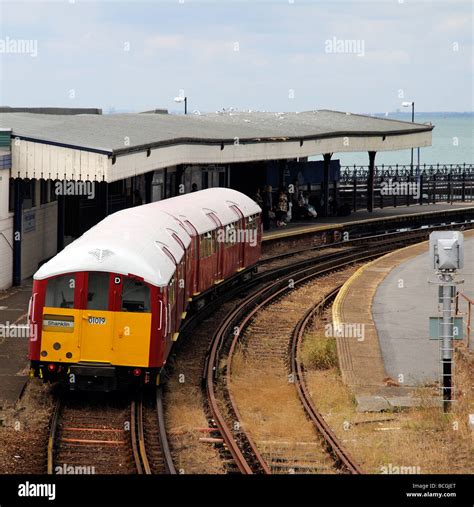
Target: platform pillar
x=327 y=162
x=61 y=222
x=148 y=186
x=17 y=230
x=178 y=179
x=370 y=181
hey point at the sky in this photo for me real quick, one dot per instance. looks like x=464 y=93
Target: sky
x=274 y=55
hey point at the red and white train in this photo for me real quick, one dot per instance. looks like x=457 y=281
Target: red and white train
x=106 y=310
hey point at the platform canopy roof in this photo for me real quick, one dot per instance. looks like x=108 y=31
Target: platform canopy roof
x=152 y=141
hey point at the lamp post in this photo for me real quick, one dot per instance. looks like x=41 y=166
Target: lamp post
x=412 y=104
x=185 y=100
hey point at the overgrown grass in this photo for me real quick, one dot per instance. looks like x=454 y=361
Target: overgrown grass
x=319 y=352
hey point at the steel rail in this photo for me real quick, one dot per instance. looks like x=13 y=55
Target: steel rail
x=52 y=437
x=165 y=448
x=332 y=441
x=141 y=438
x=133 y=437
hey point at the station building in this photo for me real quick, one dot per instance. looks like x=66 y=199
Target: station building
x=62 y=171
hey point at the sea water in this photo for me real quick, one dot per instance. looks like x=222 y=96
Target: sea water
x=453 y=142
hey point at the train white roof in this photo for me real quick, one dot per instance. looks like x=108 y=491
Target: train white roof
x=131 y=241
x=195 y=206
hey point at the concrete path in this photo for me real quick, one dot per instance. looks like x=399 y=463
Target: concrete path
x=401 y=307
x=13 y=348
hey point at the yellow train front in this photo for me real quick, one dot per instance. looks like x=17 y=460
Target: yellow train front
x=106 y=310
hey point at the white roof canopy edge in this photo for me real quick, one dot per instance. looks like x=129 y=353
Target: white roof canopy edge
x=35 y=159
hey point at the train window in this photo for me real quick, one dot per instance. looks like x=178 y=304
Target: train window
x=252 y=222
x=206 y=245
x=213 y=242
x=230 y=235
x=98 y=291
x=60 y=291
x=135 y=296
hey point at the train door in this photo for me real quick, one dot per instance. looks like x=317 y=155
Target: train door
x=131 y=341
x=172 y=311
x=240 y=231
x=180 y=292
x=194 y=255
x=217 y=247
x=115 y=320
x=189 y=273
x=96 y=321
x=181 y=288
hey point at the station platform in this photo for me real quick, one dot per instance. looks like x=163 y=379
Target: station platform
x=392 y=299
x=388 y=216
x=13 y=342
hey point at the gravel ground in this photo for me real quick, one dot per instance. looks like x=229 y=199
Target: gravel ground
x=24 y=432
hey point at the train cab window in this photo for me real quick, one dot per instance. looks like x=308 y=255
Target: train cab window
x=135 y=296
x=98 y=291
x=60 y=291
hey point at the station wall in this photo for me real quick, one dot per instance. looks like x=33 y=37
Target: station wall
x=39 y=243
x=6 y=252
x=6 y=218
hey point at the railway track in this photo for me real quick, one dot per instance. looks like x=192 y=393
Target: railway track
x=222 y=406
x=334 y=446
x=239 y=453
x=413 y=235
x=99 y=437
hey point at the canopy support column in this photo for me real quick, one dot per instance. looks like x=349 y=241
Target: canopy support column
x=327 y=163
x=17 y=230
x=370 y=181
